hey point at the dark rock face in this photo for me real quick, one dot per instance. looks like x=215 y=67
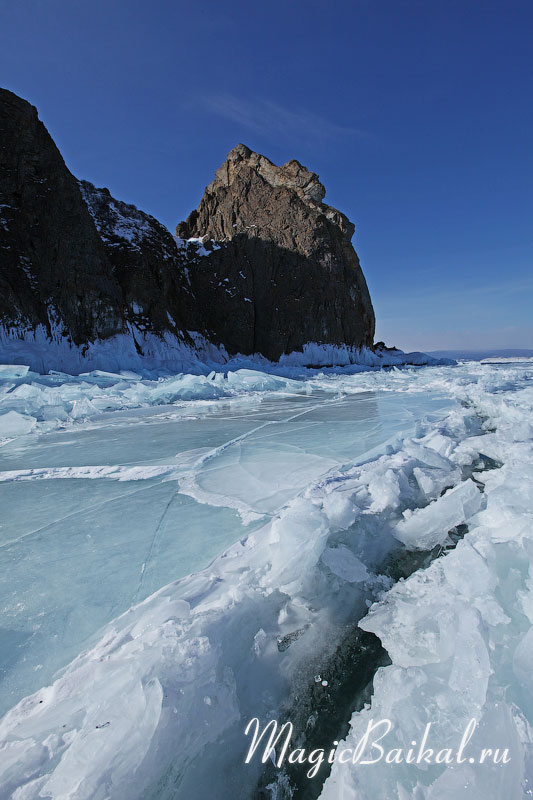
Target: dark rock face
x=147 y=264
x=284 y=271
x=53 y=263
x=72 y=257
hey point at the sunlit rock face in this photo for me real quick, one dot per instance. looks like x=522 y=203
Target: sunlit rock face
x=282 y=270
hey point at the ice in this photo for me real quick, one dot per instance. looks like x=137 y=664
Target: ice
x=523 y=660
x=424 y=528
x=139 y=351
x=459 y=632
x=165 y=354
x=13 y=371
x=198 y=561
x=345 y=564
x=14 y=424
x=60 y=398
x=317 y=354
x=253 y=380
x=171 y=485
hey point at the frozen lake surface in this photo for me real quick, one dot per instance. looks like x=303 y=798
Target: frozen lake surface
x=188 y=552
x=77 y=552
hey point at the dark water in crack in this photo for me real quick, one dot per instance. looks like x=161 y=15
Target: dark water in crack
x=322 y=714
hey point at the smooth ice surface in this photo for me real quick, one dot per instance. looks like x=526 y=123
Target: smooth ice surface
x=273 y=506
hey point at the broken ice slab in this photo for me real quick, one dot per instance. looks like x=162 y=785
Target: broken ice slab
x=13 y=371
x=426 y=527
x=112 y=376
x=14 y=424
x=345 y=564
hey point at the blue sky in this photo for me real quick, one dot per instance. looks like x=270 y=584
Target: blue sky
x=417 y=115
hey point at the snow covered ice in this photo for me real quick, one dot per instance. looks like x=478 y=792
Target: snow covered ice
x=181 y=555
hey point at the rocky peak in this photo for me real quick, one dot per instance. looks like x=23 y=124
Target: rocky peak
x=72 y=258
x=147 y=263
x=291 y=175
x=54 y=269
x=285 y=272
x=242 y=163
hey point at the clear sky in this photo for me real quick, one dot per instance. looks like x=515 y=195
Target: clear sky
x=417 y=115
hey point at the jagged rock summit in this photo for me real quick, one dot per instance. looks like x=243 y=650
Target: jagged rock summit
x=280 y=270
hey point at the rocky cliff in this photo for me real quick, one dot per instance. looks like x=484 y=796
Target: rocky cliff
x=73 y=259
x=53 y=263
x=149 y=267
x=283 y=271
x=262 y=266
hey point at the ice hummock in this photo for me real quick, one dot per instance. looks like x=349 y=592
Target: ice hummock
x=459 y=633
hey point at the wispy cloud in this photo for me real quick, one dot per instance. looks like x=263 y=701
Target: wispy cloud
x=267 y=118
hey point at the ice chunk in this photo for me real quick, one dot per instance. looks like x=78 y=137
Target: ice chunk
x=523 y=660
x=14 y=424
x=13 y=371
x=426 y=527
x=54 y=412
x=385 y=490
x=427 y=455
x=83 y=408
x=343 y=563
x=340 y=509
x=253 y=380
